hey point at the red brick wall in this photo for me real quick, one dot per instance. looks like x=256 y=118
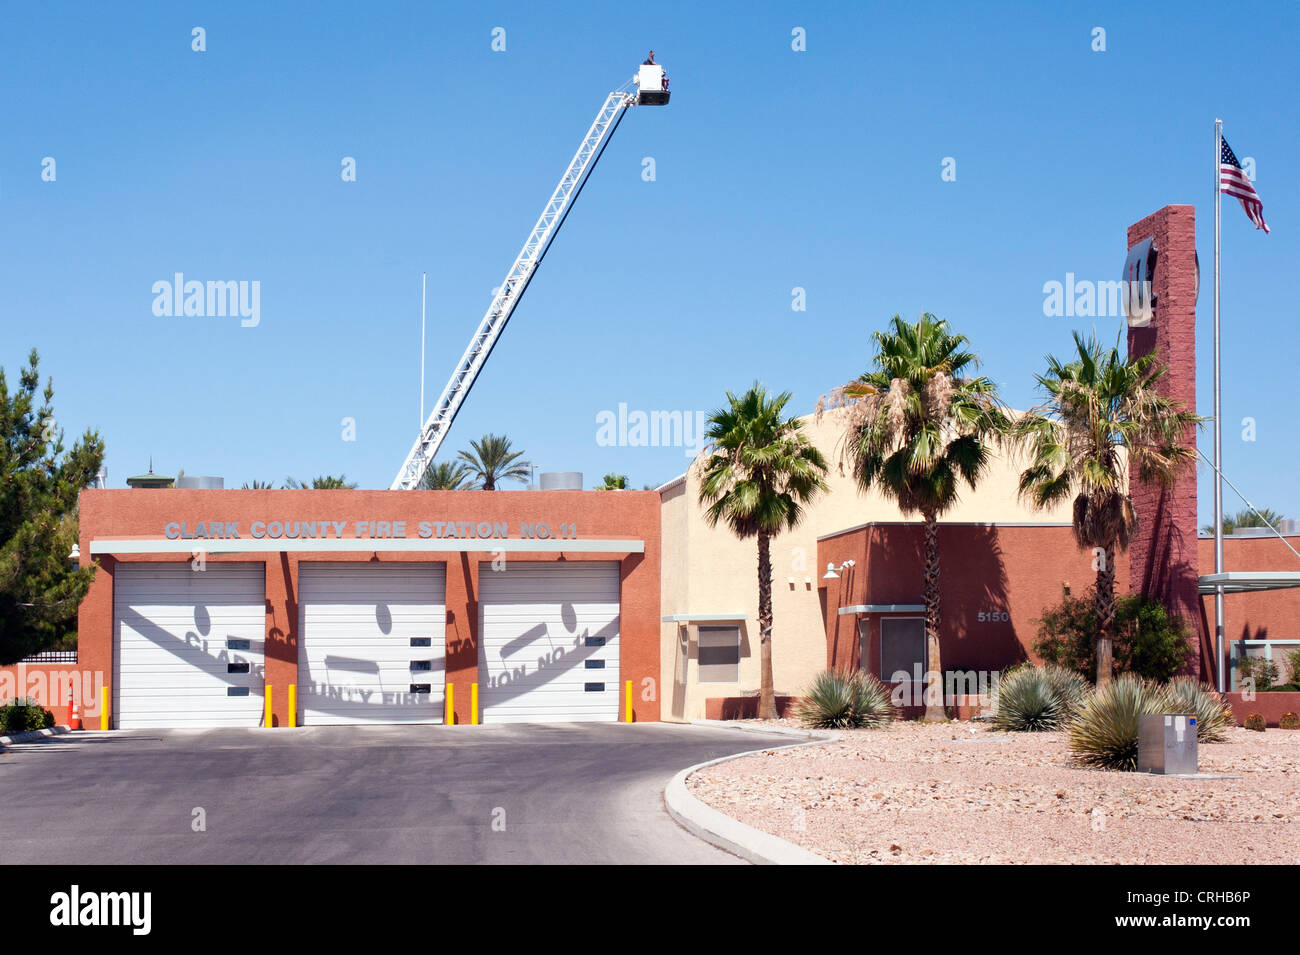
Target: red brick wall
x=599 y=514
x=1163 y=557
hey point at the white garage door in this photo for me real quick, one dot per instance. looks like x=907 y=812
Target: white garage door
x=188 y=645
x=372 y=646
x=549 y=642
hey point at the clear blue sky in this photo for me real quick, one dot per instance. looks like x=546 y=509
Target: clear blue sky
x=775 y=169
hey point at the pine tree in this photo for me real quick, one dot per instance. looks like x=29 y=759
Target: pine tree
x=40 y=588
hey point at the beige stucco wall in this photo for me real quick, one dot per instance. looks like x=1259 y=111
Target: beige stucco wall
x=710 y=571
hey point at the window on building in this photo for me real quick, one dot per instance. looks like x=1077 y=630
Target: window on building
x=902 y=647
x=1273 y=650
x=719 y=654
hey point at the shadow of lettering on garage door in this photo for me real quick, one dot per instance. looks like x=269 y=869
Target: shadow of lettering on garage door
x=520 y=679
x=352 y=664
x=183 y=648
x=325 y=696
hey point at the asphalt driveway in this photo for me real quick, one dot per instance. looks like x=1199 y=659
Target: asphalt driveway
x=573 y=793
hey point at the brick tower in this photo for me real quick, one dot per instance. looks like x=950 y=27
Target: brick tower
x=1163 y=554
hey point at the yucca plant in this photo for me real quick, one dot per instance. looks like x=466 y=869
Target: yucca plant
x=1213 y=717
x=1027 y=702
x=845 y=699
x=1071 y=688
x=1104 y=730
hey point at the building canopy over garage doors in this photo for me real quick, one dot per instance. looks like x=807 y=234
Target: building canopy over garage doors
x=372 y=645
x=189 y=644
x=548 y=640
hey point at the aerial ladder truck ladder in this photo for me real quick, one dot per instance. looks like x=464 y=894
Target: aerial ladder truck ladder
x=648 y=88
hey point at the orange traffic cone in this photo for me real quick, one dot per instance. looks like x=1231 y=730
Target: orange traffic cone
x=74 y=718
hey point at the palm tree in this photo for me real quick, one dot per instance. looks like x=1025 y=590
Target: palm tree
x=759 y=474
x=324 y=483
x=1097 y=404
x=258 y=486
x=918 y=427
x=491 y=460
x=1264 y=517
x=613 y=482
x=445 y=476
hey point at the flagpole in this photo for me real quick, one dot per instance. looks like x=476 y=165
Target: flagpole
x=424 y=284
x=1220 y=659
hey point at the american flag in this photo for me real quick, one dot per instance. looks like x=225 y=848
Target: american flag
x=1233 y=181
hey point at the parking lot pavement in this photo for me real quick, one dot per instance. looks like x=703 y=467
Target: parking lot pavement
x=571 y=793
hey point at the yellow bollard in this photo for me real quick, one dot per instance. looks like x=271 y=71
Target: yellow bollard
x=293 y=704
x=266 y=717
x=103 y=707
x=449 y=716
x=473 y=704
x=627 y=704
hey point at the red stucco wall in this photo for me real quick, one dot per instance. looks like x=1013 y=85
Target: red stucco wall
x=1022 y=570
x=1016 y=570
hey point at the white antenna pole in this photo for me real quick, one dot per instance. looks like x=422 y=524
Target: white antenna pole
x=424 y=285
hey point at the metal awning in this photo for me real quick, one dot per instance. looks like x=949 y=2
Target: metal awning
x=882 y=608
x=135 y=545
x=1249 y=581
x=703 y=617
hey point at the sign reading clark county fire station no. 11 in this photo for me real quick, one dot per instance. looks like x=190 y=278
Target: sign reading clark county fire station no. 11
x=369 y=530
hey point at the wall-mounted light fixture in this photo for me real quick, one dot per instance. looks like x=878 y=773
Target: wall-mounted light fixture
x=831 y=570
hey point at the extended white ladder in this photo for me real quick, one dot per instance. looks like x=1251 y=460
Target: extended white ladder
x=511 y=291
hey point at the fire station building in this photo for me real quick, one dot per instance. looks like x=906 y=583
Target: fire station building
x=215 y=607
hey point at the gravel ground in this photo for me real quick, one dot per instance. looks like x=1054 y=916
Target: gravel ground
x=962 y=793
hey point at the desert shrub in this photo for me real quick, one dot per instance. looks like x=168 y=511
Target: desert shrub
x=1148 y=641
x=1070 y=688
x=1289 y=721
x=1292 y=658
x=1255 y=721
x=1032 y=699
x=1263 y=672
x=1027 y=703
x=1104 y=730
x=1213 y=716
x=22 y=715
x=845 y=699
x=1158 y=644
x=1066 y=633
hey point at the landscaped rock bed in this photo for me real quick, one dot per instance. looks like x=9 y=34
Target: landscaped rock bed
x=963 y=793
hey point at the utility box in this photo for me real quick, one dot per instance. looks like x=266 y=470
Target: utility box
x=1167 y=744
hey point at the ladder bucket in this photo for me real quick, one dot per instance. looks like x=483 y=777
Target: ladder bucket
x=651 y=85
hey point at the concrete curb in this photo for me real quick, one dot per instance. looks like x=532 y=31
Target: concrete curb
x=719 y=829
x=30 y=735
